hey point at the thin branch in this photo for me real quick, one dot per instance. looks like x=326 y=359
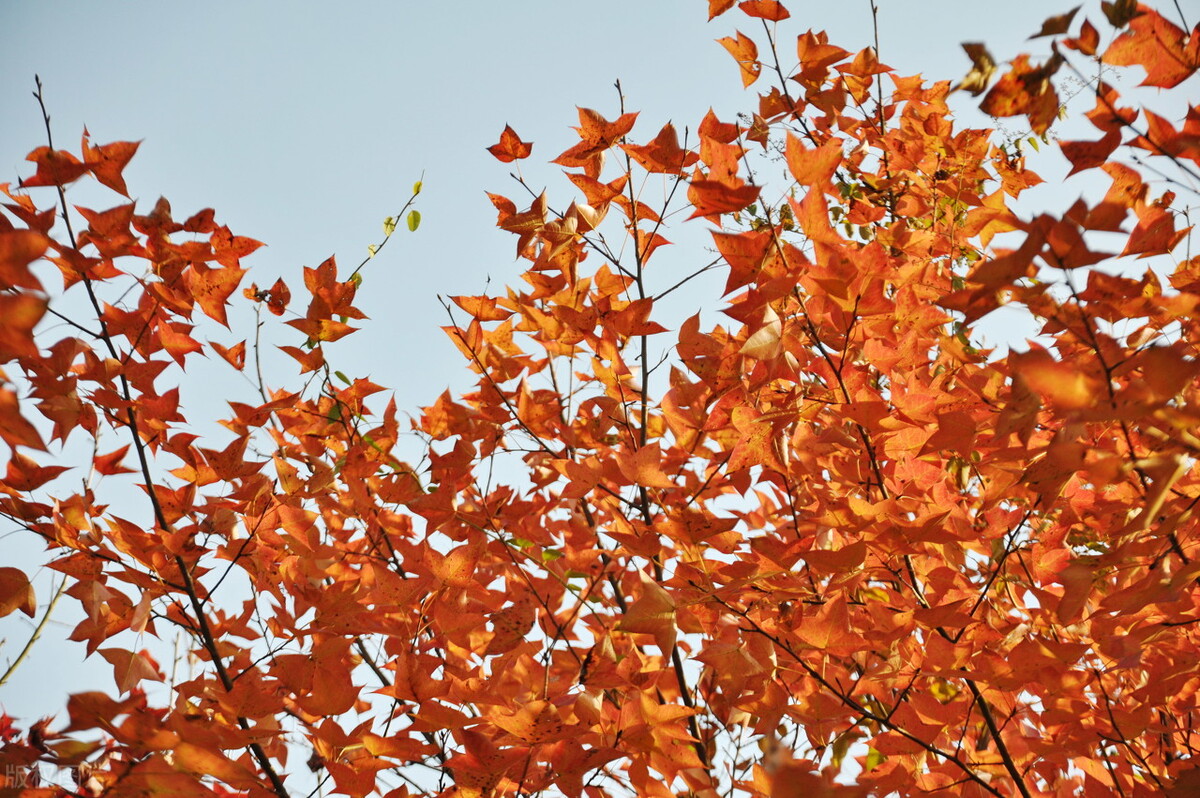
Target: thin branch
x=37 y=632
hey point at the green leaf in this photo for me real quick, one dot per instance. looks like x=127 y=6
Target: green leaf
x=342 y=377
x=874 y=760
x=416 y=188
x=389 y=225
x=549 y=555
x=414 y=220
x=371 y=250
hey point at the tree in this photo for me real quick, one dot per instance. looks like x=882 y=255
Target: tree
x=643 y=555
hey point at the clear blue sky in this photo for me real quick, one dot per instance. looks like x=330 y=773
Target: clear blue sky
x=304 y=124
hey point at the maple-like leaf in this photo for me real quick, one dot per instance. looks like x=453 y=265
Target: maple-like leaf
x=1057 y=25
x=718 y=7
x=23 y=474
x=18 y=249
x=21 y=314
x=745 y=52
x=212 y=288
x=983 y=66
x=653 y=613
x=1168 y=54
x=54 y=168
x=1090 y=154
x=1026 y=90
x=16 y=592
x=644 y=467
x=596 y=135
x=714 y=198
x=15 y=429
x=813 y=168
x=130 y=667
x=1063 y=384
x=663 y=154
x=108 y=161
x=771 y=10
x=510 y=147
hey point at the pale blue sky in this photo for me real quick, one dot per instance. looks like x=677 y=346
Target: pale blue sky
x=304 y=124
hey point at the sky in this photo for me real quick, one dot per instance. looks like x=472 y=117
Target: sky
x=305 y=124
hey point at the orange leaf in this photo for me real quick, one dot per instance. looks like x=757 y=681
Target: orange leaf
x=653 y=613
x=1056 y=25
x=771 y=10
x=203 y=761
x=107 y=161
x=23 y=474
x=18 y=249
x=212 y=288
x=745 y=52
x=14 y=428
x=16 y=593
x=644 y=467
x=510 y=147
x=535 y=722
x=1152 y=42
x=712 y=198
x=19 y=314
x=718 y=7
x=54 y=168
x=129 y=667
x=1061 y=383
x=1090 y=154
x=108 y=464
x=1026 y=90
x=663 y=154
x=233 y=355
x=813 y=167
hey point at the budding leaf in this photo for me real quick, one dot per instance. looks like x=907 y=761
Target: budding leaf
x=414 y=220
x=389 y=225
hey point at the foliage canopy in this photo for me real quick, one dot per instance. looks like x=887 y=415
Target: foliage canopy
x=735 y=557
